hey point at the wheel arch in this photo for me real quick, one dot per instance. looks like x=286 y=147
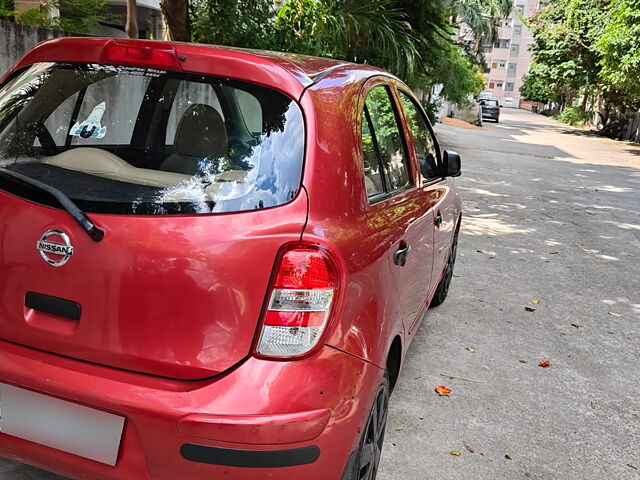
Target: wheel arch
x=394 y=361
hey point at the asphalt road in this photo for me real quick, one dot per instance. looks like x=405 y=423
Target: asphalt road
x=553 y=215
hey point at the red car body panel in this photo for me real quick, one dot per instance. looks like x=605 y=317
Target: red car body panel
x=156 y=410
x=144 y=281
x=133 y=351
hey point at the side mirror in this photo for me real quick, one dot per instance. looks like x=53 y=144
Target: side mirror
x=452 y=164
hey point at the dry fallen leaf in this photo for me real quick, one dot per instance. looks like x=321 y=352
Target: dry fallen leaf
x=469 y=349
x=507 y=457
x=529 y=309
x=442 y=391
x=553 y=252
x=535 y=302
x=615 y=314
x=592 y=405
x=468 y=448
x=522 y=361
x=627 y=254
x=544 y=363
x=632 y=466
x=587 y=250
x=575 y=325
x=455 y=453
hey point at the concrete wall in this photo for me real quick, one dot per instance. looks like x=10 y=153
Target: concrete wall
x=17 y=39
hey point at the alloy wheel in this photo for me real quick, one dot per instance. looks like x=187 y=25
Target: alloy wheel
x=371 y=449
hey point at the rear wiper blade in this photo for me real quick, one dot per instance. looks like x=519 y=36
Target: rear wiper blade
x=95 y=232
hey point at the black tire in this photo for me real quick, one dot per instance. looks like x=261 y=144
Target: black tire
x=363 y=463
x=443 y=286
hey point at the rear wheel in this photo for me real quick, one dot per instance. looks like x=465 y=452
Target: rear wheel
x=363 y=464
x=443 y=286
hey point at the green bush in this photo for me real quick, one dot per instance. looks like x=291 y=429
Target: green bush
x=571 y=116
x=432 y=109
x=7 y=10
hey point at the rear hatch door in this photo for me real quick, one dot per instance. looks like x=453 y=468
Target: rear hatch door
x=195 y=180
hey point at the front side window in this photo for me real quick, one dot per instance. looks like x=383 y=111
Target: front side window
x=422 y=137
x=382 y=141
x=135 y=140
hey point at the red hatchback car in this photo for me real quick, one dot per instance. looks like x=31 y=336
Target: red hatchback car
x=213 y=259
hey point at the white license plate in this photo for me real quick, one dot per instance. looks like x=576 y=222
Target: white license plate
x=58 y=424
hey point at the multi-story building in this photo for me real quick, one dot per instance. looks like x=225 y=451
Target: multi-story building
x=509 y=58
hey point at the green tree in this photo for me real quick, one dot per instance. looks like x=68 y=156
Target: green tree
x=251 y=27
x=535 y=89
x=413 y=39
x=78 y=16
x=619 y=48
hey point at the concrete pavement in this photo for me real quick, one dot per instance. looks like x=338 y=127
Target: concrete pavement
x=550 y=215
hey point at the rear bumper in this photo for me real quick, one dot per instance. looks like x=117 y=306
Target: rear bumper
x=264 y=419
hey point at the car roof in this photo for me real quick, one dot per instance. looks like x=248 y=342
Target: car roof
x=288 y=72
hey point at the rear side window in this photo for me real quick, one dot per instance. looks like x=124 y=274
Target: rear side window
x=110 y=91
x=250 y=110
x=134 y=140
x=423 y=138
x=384 y=155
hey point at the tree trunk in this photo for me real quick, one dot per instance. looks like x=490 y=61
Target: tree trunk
x=585 y=99
x=131 y=26
x=176 y=15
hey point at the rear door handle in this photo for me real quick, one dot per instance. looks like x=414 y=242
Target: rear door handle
x=400 y=257
x=438 y=220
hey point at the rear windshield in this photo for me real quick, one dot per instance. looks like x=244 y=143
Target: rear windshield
x=135 y=140
x=490 y=103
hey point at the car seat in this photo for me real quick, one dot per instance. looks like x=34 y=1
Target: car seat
x=201 y=135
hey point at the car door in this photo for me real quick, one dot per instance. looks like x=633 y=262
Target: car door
x=434 y=187
x=403 y=220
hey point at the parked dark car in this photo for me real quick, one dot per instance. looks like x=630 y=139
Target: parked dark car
x=213 y=259
x=490 y=109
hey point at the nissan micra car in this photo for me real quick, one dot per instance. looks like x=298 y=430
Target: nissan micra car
x=213 y=259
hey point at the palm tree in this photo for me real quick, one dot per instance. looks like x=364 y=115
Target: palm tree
x=481 y=16
x=372 y=31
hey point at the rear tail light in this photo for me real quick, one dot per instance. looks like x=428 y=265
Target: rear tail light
x=299 y=302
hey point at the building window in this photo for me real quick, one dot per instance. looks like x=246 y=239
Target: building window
x=517 y=31
x=520 y=9
x=502 y=64
x=515 y=50
x=499 y=84
x=503 y=43
x=492 y=85
x=511 y=70
x=508 y=87
x=508 y=23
